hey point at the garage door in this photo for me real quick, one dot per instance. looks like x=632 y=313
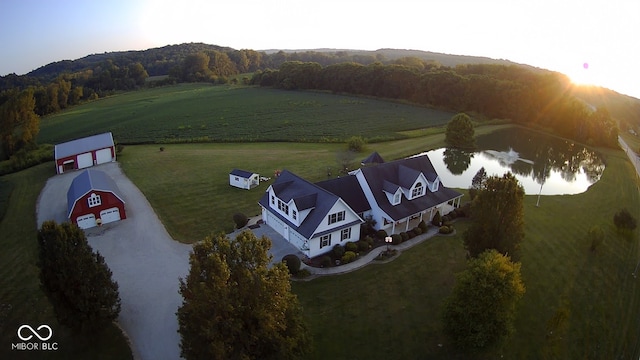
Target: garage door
x=85 y=160
x=110 y=215
x=103 y=156
x=275 y=223
x=86 y=221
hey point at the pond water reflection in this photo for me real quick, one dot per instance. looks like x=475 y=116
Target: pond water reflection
x=542 y=163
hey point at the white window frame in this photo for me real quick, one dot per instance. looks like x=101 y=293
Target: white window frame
x=94 y=200
x=282 y=206
x=418 y=190
x=345 y=234
x=325 y=240
x=336 y=217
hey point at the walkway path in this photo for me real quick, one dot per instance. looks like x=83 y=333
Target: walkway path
x=369 y=257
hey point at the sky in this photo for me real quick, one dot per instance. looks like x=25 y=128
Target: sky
x=591 y=41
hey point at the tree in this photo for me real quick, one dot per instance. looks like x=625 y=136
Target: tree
x=459 y=132
x=77 y=281
x=624 y=221
x=498 y=217
x=235 y=306
x=19 y=124
x=481 y=310
x=355 y=144
x=477 y=182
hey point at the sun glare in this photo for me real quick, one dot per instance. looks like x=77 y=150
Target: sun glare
x=582 y=75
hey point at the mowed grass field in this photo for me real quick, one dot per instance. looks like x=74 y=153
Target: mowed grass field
x=202 y=112
x=578 y=304
x=392 y=310
x=22 y=301
x=188 y=184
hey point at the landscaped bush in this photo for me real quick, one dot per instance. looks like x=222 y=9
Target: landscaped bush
x=240 y=219
x=292 y=262
x=445 y=219
x=351 y=246
x=411 y=234
x=348 y=257
x=382 y=234
x=417 y=230
x=404 y=236
x=396 y=239
x=362 y=245
x=338 y=251
x=369 y=240
x=436 y=219
x=325 y=261
x=423 y=225
x=445 y=229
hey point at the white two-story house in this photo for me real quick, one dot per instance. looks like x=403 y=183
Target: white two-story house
x=308 y=216
x=397 y=195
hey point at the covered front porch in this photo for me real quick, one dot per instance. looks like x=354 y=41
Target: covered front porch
x=410 y=222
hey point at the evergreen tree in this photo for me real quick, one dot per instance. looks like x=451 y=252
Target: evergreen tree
x=498 y=217
x=77 y=281
x=477 y=182
x=481 y=310
x=235 y=306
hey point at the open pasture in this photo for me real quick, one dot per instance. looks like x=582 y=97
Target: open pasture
x=207 y=113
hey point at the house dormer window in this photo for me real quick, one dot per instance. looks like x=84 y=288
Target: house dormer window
x=335 y=217
x=283 y=207
x=396 y=198
x=294 y=214
x=418 y=190
x=94 y=200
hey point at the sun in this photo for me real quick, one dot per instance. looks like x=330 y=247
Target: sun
x=582 y=75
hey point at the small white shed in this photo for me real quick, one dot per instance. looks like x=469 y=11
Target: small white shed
x=243 y=179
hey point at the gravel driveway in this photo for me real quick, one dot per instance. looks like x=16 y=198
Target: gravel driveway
x=145 y=261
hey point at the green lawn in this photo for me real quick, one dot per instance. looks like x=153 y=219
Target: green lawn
x=202 y=112
x=21 y=298
x=392 y=310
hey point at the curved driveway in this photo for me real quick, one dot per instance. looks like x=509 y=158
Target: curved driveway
x=145 y=261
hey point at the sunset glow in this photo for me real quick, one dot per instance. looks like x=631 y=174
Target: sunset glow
x=559 y=36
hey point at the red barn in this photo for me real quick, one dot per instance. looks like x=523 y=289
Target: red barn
x=85 y=152
x=94 y=198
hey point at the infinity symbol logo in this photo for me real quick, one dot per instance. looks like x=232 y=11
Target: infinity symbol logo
x=34 y=332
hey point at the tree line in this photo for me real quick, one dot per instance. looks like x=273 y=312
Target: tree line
x=534 y=98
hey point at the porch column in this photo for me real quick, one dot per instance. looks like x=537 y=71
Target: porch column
x=393 y=227
x=406 y=228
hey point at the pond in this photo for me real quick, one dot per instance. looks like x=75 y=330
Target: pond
x=543 y=164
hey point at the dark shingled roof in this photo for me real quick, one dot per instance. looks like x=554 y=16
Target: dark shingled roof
x=241 y=173
x=87 y=181
x=306 y=195
x=79 y=146
x=405 y=171
x=349 y=190
x=374 y=158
